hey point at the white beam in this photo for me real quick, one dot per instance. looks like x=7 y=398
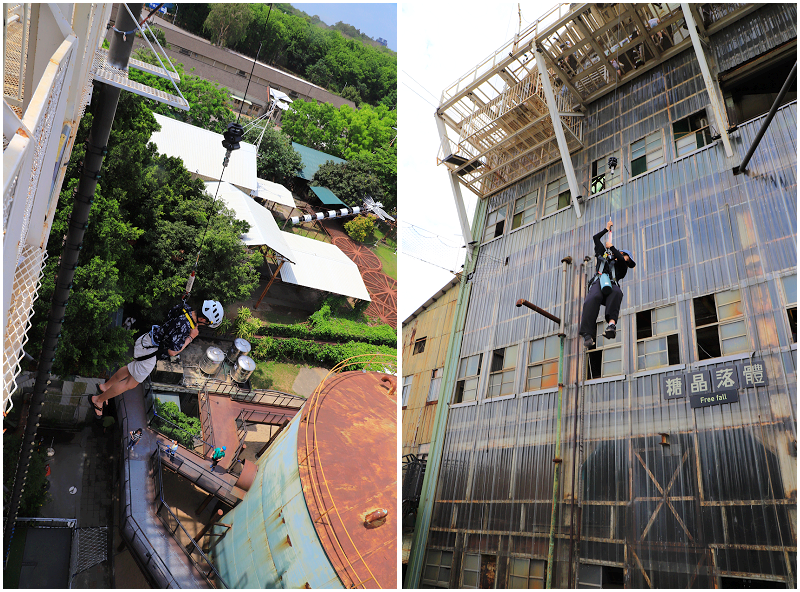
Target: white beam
x=456 y=187
x=720 y=115
x=559 y=130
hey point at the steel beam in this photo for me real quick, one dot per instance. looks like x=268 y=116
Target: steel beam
x=720 y=114
x=456 y=187
x=559 y=131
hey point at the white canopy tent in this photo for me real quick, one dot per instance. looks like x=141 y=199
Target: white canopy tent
x=202 y=153
x=273 y=192
x=263 y=228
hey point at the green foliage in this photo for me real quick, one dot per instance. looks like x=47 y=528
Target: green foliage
x=208 y=101
x=328 y=354
x=351 y=94
x=360 y=227
x=186 y=426
x=322 y=327
x=159 y=36
x=349 y=181
x=35 y=494
x=227 y=23
x=276 y=160
x=245 y=325
x=225 y=326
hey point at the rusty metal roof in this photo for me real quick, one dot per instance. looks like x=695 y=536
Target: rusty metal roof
x=347 y=451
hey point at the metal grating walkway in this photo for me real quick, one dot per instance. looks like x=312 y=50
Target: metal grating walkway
x=119 y=78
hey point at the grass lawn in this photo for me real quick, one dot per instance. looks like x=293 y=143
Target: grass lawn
x=388 y=260
x=275 y=375
x=310 y=233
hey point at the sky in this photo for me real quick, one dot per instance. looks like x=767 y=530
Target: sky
x=374 y=20
x=437 y=46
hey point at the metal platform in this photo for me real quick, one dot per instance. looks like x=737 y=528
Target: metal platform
x=154 y=70
x=119 y=78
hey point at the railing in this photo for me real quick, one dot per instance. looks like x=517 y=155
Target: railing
x=197 y=441
x=269 y=397
x=15 y=49
x=173 y=524
x=413 y=475
x=157 y=570
x=205 y=420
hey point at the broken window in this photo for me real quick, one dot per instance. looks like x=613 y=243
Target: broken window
x=647 y=153
x=557 y=196
x=467 y=384
x=526 y=573
x=419 y=345
x=407 y=380
x=750 y=89
x=790 y=292
x=720 y=325
x=691 y=133
x=542 y=363
x=437 y=568
x=478 y=571
x=495 y=224
x=602 y=178
x=600 y=576
x=502 y=372
x=657 y=338
x=525 y=210
x=436 y=383
x=606 y=358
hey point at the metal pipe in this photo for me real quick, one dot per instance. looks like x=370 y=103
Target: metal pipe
x=84 y=196
x=743 y=167
x=541 y=311
x=557 y=458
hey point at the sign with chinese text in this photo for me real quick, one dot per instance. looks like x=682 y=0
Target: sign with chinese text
x=752 y=373
x=715 y=386
x=672 y=387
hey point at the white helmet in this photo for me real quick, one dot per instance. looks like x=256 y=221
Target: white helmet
x=213 y=311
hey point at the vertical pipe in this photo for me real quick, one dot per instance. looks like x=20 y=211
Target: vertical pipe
x=84 y=196
x=557 y=456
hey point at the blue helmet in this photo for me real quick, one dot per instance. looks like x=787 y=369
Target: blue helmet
x=628 y=253
x=223 y=448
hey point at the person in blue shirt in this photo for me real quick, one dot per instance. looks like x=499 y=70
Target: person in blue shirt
x=181 y=327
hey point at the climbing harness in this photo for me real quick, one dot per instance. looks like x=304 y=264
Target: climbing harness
x=606 y=280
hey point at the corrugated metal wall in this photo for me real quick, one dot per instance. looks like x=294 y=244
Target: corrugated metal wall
x=721 y=498
x=434 y=324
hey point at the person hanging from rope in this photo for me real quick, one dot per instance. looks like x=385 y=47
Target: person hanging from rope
x=171 y=338
x=612 y=266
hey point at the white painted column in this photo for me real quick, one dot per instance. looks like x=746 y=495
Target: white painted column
x=720 y=115
x=456 y=187
x=559 y=130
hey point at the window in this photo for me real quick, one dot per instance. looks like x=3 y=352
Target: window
x=790 y=291
x=557 y=196
x=691 y=133
x=646 y=153
x=524 y=210
x=719 y=321
x=419 y=345
x=526 y=573
x=495 y=224
x=503 y=371
x=606 y=358
x=600 y=576
x=478 y=571
x=437 y=567
x=467 y=384
x=242 y=73
x=602 y=179
x=436 y=383
x=407 y=380
x=657 y=338
x=542 y=363
x=185 y=51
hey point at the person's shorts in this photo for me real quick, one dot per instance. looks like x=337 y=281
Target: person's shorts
x=141 y=369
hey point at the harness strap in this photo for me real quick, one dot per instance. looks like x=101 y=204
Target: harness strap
x=189 y=317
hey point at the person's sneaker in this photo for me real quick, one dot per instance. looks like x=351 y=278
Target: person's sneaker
x=611 y=331
x=588 y=341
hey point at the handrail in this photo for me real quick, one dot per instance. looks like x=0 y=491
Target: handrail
x=194 y=436
x=155 y=459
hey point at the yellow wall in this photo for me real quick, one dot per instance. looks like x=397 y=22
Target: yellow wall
x=434 y=323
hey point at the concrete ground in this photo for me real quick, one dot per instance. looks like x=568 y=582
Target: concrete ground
x=308 y=380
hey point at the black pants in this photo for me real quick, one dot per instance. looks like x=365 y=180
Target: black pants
x=591 y=306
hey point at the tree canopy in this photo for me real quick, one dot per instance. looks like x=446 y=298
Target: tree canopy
x=227 y=23
x=350 y=182
x=295 y=41
x=145 y=228
x=276 y=159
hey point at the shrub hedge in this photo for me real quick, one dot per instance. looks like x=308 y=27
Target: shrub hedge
x=318 y=353
x=322 y=327
x=189 y=425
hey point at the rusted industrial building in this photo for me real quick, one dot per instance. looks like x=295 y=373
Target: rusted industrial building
x=678 y=453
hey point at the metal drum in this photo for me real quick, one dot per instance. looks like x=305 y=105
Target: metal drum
x=242 y=369
x=212 y=360
x=240 y=346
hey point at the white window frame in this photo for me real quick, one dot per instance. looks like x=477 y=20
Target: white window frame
x=407 y=382
x=603 y=346
x=600 y=169
x=517 y=562
x=493 y=222
x=525 y=208
x=509 y=369
x=728 y=322
x=655 y=337
x=563 y=186
x=688 y=140
x=436 y=385
x=791 y=301
x=462 y=378
x=653 y=152
x=551 y=341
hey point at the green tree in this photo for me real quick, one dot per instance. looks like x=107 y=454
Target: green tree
x=351 y=94
x=227 y=23
x=350 y=181
x=276 y=159
x=359 y=228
